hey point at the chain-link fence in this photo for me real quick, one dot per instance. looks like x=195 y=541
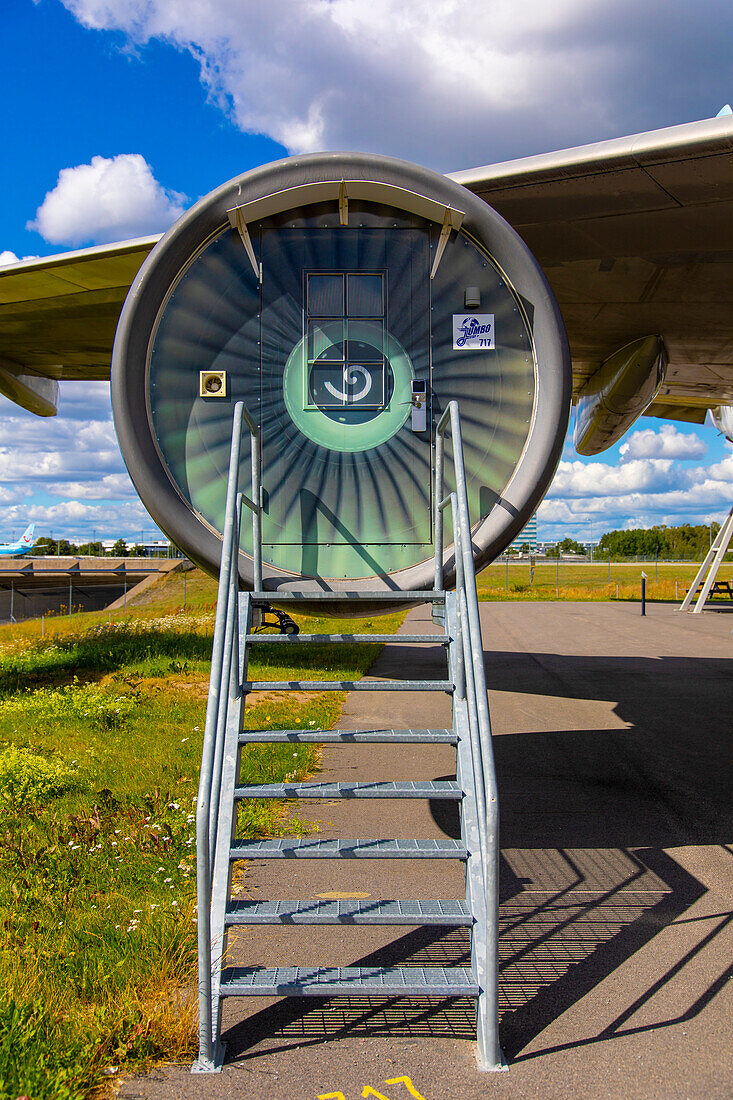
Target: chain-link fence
x=530 y=577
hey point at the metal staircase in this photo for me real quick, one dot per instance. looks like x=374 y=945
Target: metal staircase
x=474 y=790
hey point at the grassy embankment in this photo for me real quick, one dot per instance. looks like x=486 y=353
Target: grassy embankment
x=590 y=581
x=100 y=743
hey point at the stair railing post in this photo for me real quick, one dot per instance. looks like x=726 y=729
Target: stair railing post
x=216 y=685
x=256 y=483
x=470 y=688
x=226 y=827
x=438 y=581
x=224 y=695
x=460 y=650
x=480 y=791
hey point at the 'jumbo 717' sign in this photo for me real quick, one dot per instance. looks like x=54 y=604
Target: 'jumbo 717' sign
x=473 y=331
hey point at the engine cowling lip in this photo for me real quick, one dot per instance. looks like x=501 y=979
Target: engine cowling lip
x=173 y=253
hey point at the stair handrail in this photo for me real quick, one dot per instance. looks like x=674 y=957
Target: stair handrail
x=465 y=683
x=225 y=665
x=474 y=683
x=464 y=564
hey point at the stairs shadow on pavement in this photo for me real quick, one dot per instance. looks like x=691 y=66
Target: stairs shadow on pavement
x=558 y=940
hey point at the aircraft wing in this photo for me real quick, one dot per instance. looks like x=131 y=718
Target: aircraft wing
x=58 y=315
x=636 y=238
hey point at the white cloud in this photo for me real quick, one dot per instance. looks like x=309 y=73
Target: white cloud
x=73 y=456
x=587 y=498
x=668 y=442
x=722 y=471
x=11 y=495
x=85 y=401
x=698 y=502
x=8 y=258
x=107 y=200
x=109 y=487
x=61 y=452
x=582 y=479
x=439 y=82
x=81 y=522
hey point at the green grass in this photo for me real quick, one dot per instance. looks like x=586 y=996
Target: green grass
x=100 y=741
x=589 y=580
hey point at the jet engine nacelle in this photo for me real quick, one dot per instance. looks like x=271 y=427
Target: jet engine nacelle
x=346 y=299
x=613 y=398
x=723 y=420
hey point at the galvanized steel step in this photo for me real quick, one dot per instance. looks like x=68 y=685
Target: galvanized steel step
x=349 y=911
x=442 y=788
x=348 y=685
x=298 y=639
x=399 y=597
x=364 y=848
x=351 y=737
x=380 y=981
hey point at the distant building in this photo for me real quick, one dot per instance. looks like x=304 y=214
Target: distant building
x=528 y=535
x=153 y=548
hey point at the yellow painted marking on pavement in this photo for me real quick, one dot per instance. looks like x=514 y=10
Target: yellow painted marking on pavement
x=408 y=1085
x=369 y=1091
x=341 y=895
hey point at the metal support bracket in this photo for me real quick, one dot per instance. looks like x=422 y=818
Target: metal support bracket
x=241 y=226
x=451 y=220
x=343 y=204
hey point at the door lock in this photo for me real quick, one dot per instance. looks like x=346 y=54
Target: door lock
x=419 y=411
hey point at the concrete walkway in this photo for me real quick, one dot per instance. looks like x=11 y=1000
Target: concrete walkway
x=613 y=748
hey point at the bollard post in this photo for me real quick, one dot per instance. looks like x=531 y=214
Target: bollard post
x=506 y=582
x=643 y=593
x=557 y=577
x=41 y=625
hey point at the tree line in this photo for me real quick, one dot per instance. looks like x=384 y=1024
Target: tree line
x=685 y=543
x=44 y=546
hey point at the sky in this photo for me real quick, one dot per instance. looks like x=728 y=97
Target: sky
x=118 y=114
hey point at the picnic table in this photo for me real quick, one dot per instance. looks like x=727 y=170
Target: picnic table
x=720 y=588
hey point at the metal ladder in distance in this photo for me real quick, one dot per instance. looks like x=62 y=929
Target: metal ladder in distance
x=474 y=791
x=709 y=569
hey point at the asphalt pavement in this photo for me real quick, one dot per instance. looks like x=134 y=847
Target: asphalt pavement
x=613 y=753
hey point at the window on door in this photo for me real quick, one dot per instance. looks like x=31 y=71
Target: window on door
x=345 y=323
